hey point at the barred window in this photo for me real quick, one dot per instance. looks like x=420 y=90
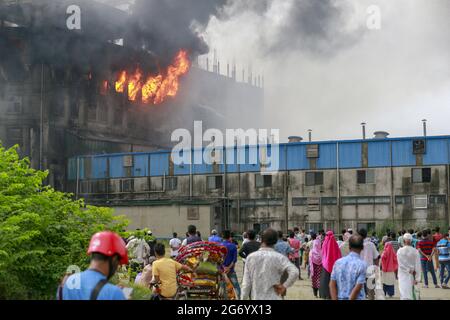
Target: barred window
x=299 y=201
x=263 y=181
x=314 y=178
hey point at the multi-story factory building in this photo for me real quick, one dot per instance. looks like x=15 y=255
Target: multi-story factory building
x=368 y=183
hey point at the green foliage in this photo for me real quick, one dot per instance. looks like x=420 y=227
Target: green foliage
x=42 y=231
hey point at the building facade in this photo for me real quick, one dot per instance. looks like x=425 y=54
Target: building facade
x=373 y=183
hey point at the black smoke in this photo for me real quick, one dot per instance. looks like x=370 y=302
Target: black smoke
x=166 y=26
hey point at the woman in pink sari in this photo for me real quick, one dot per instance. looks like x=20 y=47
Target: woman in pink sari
x=315 y=263
x=330 y=254
x=389 y=266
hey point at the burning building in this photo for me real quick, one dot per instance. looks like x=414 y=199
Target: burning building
x=94 y=90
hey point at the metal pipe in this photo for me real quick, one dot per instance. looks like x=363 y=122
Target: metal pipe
x=363 y=124
x=424 y=121
x=41 y=133
x=78 y=178
x=190 y=177
x=310 y=135
x=338 y=184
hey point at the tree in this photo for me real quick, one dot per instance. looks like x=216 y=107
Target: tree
x=42 y=231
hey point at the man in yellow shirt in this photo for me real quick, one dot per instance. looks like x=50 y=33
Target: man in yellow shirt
x=165 y=272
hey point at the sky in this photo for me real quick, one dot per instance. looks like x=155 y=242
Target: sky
x=325 y=70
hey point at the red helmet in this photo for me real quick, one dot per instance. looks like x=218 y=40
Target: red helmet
x=109 y=244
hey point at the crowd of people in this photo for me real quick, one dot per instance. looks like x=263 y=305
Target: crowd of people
x=352 y=266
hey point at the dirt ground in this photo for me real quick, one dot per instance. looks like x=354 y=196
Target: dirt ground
x=302 y=288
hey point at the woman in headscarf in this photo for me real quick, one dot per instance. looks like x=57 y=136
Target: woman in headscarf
x=330 y=253
x=389 y=268
x=315 y=263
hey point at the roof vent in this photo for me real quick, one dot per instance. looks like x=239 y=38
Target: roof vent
x=381 y=135
x=293 y=139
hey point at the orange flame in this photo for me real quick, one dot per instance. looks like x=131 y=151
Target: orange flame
x=155 y=89
x=134 y=85
x=120 y=84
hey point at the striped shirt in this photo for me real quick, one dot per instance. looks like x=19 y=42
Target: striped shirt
x=427 y=248
x=395 y=245
x=444 y=250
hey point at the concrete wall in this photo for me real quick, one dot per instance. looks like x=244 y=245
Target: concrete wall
x=244 y=214
x=164 y=220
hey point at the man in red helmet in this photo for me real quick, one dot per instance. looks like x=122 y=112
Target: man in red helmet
x=107 y=251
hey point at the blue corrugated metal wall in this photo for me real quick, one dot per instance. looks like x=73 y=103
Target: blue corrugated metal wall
x=350 y=155
x=99 y=167
x=296 y=157
x=291 y=157
x=116 y=167
x=436 y=152
x=402 y=153
x=379 y=154
x=159 y=164
x=327 y=156
x=140 y=168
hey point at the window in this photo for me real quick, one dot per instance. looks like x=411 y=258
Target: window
x=421 y=175
x=247 y=203
x=366 y=200
x=403 y=200
x=299 y=201
x=276 y=202
x=313 y=204
x=369 y=226
x=214 y=182
x=127 y=185
x=171 y=183
x=193 y=213
x=312 y=151
x=315 y=227
x=328 y=201
x=314 y=178
x=382 y=200
x=14 y=105
x=438 y=199
x=420 y=202
x=263 y=181
x=419 y=146
x=365 y=176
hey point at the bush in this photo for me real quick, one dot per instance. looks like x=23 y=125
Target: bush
x=42 y=231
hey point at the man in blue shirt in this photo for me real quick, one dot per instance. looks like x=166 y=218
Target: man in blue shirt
x=282 y=246
x=443 y=247
x=214 y=237
x=230 y=260
x=349 y=273
x=107 y=251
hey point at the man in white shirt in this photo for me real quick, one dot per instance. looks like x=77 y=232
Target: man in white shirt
x=264 y=269
x=409 y=269
x=371 y=256
x=175 y=245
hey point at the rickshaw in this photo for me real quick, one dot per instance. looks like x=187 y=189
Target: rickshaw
x=208 y=282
